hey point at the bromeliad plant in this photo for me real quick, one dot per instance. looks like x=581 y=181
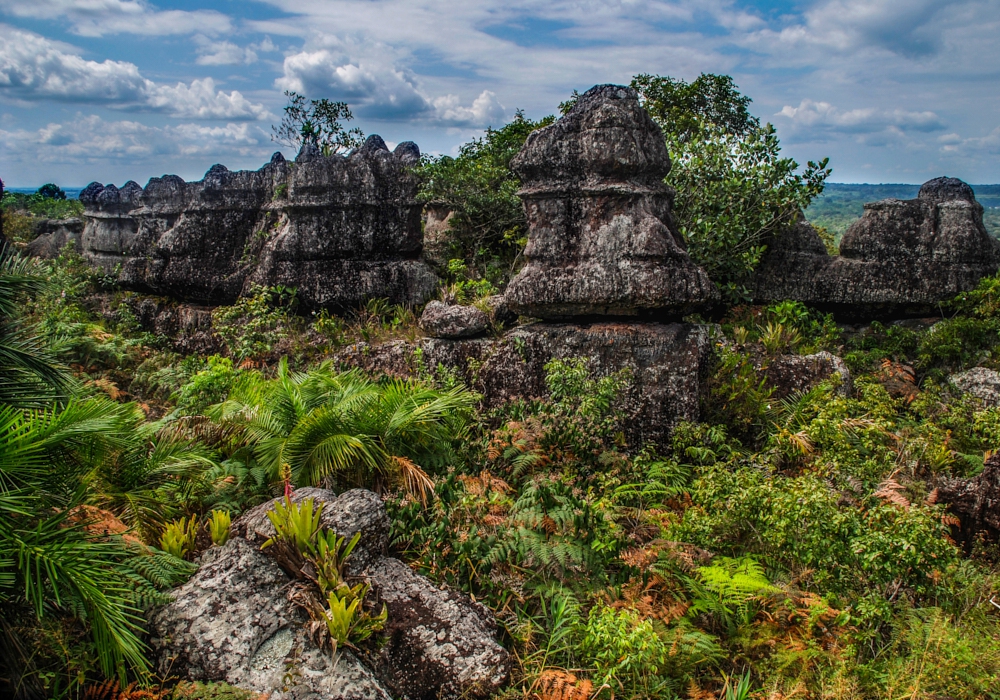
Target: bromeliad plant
x=218 y=526
x=307 y=551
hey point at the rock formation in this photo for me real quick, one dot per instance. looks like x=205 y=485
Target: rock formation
x=602 y=240
x=234 y=621
x=441 y=320
x=976 y=502
x=980 y=382
x=340 y=229
x=902 y=258
x=53 y=235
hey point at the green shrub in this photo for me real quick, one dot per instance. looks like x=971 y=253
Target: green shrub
x=253 y=325
x=624 y=652
x=178 y=537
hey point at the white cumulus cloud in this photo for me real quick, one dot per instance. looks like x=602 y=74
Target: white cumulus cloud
x=826 y=117
x=33 y=67
x=102 y=17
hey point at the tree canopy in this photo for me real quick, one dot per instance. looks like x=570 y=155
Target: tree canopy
x=318 y=122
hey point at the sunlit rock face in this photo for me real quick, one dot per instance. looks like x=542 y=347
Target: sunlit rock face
x=340 y=229
x=902 y=258
x=602 y=240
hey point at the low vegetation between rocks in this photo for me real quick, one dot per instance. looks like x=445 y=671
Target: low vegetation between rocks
x=605 y=461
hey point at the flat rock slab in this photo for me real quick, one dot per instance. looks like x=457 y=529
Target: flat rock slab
x=666 y=361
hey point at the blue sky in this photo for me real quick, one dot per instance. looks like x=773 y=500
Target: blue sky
x=112 y=90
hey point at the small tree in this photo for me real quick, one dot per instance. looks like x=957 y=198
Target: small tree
x=317 y=122
x=50 y=191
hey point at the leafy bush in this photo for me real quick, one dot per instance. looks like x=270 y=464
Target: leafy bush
x=254 y=324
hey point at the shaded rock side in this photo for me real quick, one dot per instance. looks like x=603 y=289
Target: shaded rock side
x=350 y=230
x=441 y=320
x=53 y=235
x=340 y=229
x=901 y=259
x=232 y=622
x=602 y=240
x=440 y=644
x=976 y=502
x=666 y=361
x=357 y=510
x=791 y=374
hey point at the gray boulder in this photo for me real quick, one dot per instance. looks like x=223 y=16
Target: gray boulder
x=232 y=622
x=53 y=235
x=666 y=361
x=980 y=382
x=791 y=374
x=357 y=510
x=901 y=259
x=441 y=320
x=602 y=240
x=440 y=644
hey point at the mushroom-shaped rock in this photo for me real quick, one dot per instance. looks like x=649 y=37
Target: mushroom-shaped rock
x=233 y=622
x=441 y=320
x=602 y=240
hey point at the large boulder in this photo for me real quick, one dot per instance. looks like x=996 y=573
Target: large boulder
x=901 y=259
x=976 y=502
x=440 y=643
x=340 y=229
x=441 y=320
x=792 y=374
x=53 y=235
x=233 y=622
x=666 y=361
x=602 y=240
x=980 y=382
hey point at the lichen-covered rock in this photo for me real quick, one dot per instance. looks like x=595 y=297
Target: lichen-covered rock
x=437 y=235
x=232 y=622
x=440 y=644
x=340 y=229
x=602 y=240
x=187 y=326
x=357 y=510
x=980 y=382
x=902 y=258
x=666 y=361
x=790 y=374
x=441 y=320
x=53 y=235
x=976 y=502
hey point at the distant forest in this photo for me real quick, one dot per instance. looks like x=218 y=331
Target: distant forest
x=840 y=205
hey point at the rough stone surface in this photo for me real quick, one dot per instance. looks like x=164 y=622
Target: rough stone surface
x=441 y=320
x=790 y=374
x=602 y=240
x=340 y=229
x=666 y=361
x=232 y=622
x=980 y=382
x=901 y=259
x=441 y=644
x=53 y=235
x=437 y=242
x=976 y=502
x=357 y=510
x=188 y=326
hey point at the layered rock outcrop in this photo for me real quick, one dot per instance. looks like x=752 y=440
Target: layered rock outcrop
x=602 y=240
x=902 y=258
x=340 y=229
x=53 y=235
x=235 y=620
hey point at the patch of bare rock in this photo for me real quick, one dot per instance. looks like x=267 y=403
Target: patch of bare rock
x=235 y=621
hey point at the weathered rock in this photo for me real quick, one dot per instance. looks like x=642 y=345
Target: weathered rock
x=53 y=235
x=500 y=312
x=357 y=510
x=441 y=320
x=666 y=361
x=902 y=258
x=339 y=229
x=440 y=644
x=976 y=502
x=790 y=374
x=437 y=237
x=350 y=230
x=232 y=622
x=188 y=326
x=980 y=382
x=602 y=240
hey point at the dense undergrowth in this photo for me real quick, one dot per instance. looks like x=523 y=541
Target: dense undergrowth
x=784 y=548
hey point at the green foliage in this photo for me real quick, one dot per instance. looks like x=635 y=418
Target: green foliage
x=50 y=191
x=178 y=537
x=625 y=653
x=344 y=427
x=40 y=206
x=317 y=122
x=254 y=324
x=727 y=590
x=196 y=690
x=296 y=524
x=207 y=386
x=685 y=106
x=218 y=526
x=488 y=230
x=346 y=619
